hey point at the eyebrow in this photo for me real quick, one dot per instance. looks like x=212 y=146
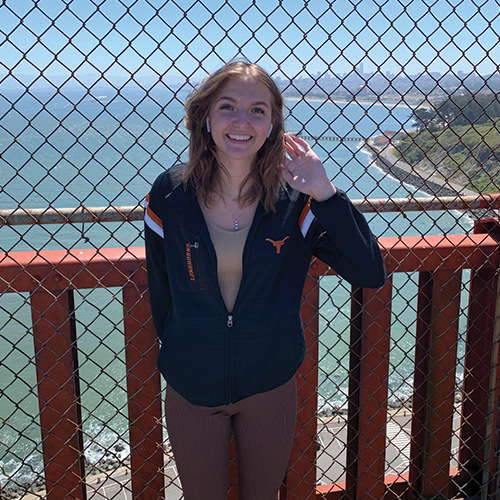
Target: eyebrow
x=232 y=99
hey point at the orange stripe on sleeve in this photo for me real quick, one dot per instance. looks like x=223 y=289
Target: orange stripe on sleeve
x=304 y=213
x=151 y=214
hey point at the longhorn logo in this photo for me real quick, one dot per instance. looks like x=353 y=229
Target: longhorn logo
x=278 y=244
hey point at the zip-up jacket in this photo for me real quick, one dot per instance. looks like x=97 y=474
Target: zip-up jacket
x=212 y=357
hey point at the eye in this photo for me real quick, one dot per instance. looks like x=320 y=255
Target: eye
x=259 y=111
x=226 y=106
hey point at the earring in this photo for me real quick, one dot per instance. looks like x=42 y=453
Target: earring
x=208 y=125
x=270 y=129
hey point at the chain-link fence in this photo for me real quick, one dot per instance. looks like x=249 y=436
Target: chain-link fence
x=399 y=100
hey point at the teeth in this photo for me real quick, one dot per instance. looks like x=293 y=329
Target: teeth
x=239 y=137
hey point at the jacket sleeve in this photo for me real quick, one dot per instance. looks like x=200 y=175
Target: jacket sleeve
x=159 y=289
x=340 y=237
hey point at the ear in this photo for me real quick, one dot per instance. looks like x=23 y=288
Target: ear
x=208 y=125
x=270 y=130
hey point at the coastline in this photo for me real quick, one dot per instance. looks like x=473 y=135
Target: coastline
x=430 y=183
x=361 y=102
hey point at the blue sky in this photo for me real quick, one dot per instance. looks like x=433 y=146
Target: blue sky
x=158 y=37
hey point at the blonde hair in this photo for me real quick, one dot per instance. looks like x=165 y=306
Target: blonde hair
x=203 y=172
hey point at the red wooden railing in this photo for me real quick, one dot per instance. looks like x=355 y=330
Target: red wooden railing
x=51 y=276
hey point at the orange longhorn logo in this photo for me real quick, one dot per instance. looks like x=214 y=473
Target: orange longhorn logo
x=278 y=244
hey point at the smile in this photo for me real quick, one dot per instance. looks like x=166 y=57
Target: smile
x=239 y=137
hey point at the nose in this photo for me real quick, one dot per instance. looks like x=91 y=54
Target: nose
x=241 y=117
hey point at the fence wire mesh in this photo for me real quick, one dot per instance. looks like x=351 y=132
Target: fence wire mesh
x=400 y=101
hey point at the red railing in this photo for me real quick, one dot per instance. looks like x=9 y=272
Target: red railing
x=51 y=277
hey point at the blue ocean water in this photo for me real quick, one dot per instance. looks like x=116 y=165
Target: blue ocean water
x=65 y=149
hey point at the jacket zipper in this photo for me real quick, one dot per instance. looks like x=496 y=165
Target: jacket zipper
x=229 y=321
x=230 y=357
x=230 y=317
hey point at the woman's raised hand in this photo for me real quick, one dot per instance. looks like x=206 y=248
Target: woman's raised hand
x=303 y=170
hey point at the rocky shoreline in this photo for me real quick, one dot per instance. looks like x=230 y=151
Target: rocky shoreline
x=95 y=473
x=394 y=405
x=428 y=183
x=36 y=488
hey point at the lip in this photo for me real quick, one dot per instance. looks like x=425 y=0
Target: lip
x=239 y=137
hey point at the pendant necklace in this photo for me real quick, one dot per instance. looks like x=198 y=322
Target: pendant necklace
x=236 y=226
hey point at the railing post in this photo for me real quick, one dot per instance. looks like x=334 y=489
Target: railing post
x=144 y=395
x=54 y=334
x=417 y=446
x=436 y=364
x=369 y=407
x=479 y=344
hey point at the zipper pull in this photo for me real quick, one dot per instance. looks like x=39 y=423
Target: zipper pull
x=230 y=321
x=194 y=245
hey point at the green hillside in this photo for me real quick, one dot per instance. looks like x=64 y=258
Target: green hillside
x=459 y=138
x=467 y=154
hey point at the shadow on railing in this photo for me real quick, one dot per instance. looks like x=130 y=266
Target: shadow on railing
x=51 y=277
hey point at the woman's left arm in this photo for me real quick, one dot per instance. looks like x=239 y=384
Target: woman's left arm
x=339 y=234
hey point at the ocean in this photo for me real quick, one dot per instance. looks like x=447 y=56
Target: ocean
x=69 y=148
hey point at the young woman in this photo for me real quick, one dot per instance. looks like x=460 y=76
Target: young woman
x=229 y=239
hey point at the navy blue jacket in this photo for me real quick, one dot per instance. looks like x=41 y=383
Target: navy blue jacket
x=212 y=357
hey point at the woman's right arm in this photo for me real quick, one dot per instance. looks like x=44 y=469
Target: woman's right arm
x=159 y=288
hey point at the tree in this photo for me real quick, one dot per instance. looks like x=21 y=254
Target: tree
x=422 y=118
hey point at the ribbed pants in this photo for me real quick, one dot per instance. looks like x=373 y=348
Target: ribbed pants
x=263 y=428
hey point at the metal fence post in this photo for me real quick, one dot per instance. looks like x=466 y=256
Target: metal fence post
x=59 y=393
x=366 y=479
x=438 y=402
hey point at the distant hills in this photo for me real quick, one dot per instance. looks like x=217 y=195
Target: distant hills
x=39 y=82
x=429 y=87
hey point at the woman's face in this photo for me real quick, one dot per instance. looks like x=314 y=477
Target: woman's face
x=240 y=118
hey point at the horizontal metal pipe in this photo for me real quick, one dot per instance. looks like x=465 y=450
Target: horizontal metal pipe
x=30 y=216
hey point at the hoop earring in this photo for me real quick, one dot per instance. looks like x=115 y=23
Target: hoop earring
x=270 y=130
x=208 y=125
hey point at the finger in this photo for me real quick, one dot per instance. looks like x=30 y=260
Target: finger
x=302 y=142
x=299 y=143
x=293 y=155
x=295 y=144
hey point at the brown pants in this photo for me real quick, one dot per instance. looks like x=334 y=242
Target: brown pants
x=263 y=427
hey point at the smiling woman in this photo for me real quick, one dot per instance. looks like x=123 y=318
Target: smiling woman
x=240 y=122
x=237 y=89
x=229 y=240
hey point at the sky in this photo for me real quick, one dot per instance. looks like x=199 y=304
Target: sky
x=168 y=38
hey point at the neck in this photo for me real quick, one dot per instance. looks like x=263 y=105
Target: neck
x=231 y=184
x=236 y=170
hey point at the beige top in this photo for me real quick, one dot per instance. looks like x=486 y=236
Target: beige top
x=229 y=249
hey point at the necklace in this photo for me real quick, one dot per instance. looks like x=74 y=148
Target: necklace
x=236 y=226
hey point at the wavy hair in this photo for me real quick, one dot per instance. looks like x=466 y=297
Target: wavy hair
x=203 y=172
